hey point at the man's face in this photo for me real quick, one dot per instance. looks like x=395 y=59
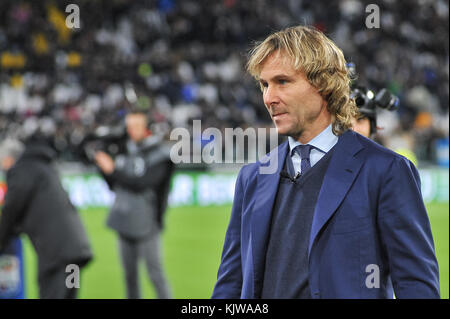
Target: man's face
x=362 y=126
x=296 y=107
x=136 y=127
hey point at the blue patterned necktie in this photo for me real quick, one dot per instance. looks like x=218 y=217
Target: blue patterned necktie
x=303 y=151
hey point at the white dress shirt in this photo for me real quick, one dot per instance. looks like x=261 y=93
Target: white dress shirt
x=322 y=144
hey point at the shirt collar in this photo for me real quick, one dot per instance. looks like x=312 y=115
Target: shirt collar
x=323 y=141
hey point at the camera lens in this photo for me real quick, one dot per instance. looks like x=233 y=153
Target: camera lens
x=386 y=100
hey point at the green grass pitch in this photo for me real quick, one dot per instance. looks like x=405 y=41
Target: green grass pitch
x=192 y=246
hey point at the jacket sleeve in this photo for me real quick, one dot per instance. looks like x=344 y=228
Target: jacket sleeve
x=406 y=234
x=152 y=177
x=108 y=178
x=229 y=277
x=18 y=195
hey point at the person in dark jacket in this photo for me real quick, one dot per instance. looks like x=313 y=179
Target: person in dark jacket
x=140 y=179
x=37 y=205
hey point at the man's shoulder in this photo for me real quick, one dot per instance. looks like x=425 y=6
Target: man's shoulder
x=377 y=153
x=151 y=149
x=251 y=170
x=24 y=172
x=24 y=166
x=248 y=171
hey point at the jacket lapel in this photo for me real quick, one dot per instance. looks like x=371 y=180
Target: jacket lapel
x=341 y=172
x=267 y=186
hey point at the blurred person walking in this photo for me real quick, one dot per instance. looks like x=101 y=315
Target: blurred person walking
x=37 y=205
x=140 y=179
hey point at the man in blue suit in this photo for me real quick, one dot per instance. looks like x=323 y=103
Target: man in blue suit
x=341 y=217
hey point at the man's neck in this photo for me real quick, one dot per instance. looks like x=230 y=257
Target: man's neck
x=307 y=136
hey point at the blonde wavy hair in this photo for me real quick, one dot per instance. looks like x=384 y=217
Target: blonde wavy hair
x=322 y=62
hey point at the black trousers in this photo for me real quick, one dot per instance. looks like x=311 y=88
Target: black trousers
x=53 y=284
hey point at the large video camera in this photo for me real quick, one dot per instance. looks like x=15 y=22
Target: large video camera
x=367 y=101
x=111 y=140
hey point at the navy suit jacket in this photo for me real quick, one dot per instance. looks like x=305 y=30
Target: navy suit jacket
x=370 y=234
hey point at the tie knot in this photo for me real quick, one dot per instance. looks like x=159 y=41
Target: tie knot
x=303 y=150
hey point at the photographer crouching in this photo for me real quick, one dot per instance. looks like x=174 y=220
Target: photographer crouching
x=140 y=179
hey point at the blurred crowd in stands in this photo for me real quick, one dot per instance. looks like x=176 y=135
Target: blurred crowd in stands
x=185 y=59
